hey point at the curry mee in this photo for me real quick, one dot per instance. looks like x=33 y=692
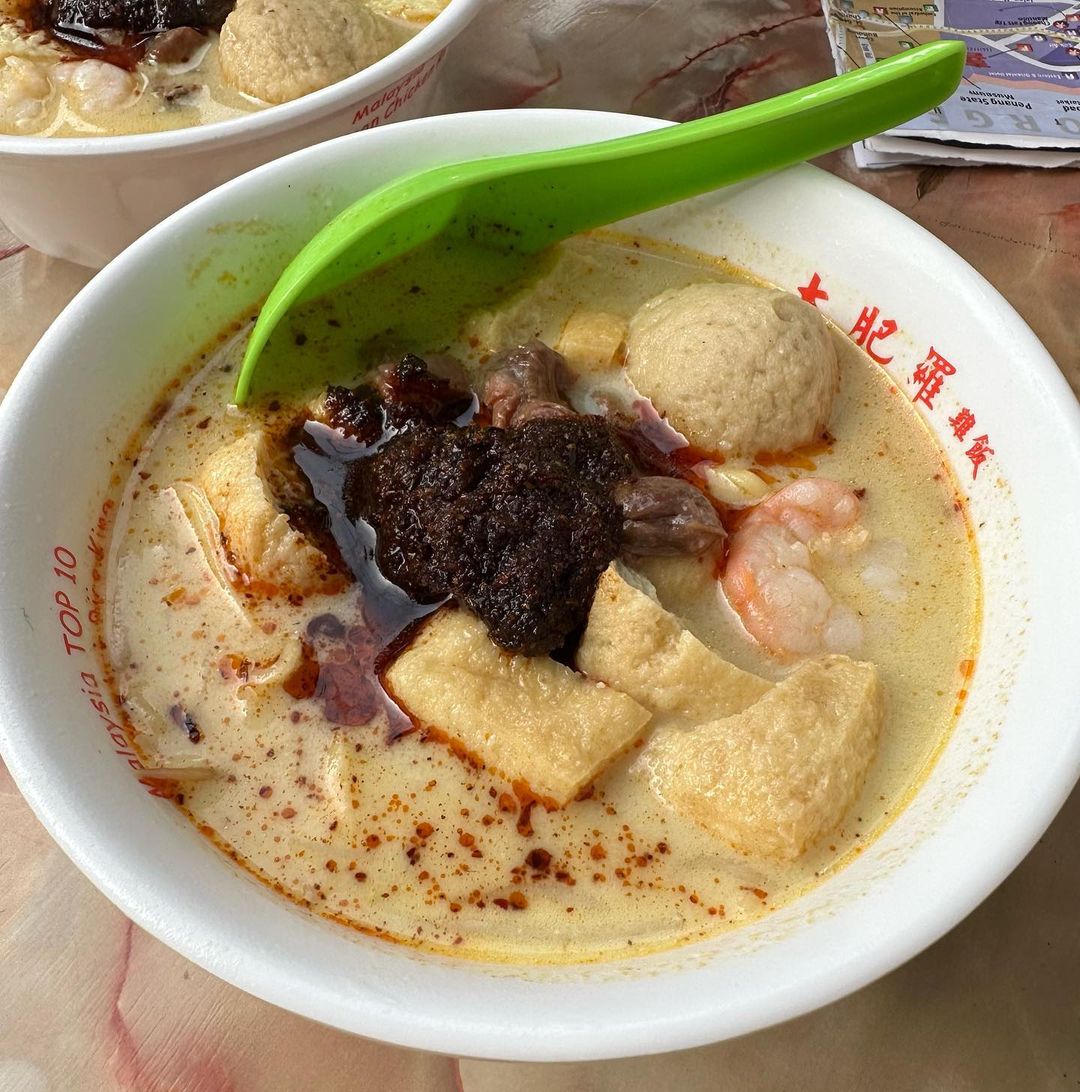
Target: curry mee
x=609 y=613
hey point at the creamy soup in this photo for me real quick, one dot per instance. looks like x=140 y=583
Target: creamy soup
x=638 y=734
x=98 y=67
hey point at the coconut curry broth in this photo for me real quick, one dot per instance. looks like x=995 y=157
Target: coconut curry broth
x=408 y=839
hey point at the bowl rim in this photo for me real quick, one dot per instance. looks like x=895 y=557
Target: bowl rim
x=430 y=40
x=857 y=966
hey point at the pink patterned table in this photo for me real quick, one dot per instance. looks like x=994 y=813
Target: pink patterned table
x=88 y=1002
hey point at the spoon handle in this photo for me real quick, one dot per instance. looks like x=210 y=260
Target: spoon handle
x=548 y=196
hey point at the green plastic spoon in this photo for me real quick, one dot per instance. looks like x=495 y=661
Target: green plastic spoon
x=527 y=202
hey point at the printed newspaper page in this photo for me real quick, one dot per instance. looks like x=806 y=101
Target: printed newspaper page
x=1019 y=100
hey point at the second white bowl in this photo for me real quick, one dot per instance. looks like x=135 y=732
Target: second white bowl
x=86 y=198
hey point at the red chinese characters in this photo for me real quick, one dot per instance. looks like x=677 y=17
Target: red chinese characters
x=867 y=331
x=962 y=423
x=978 y=453
x=931 y=375
x=812 y=290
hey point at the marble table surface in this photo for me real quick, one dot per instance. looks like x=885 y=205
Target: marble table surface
x=89 y=1002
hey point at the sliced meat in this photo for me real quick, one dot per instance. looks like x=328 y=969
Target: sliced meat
x=176 y=46
x=667 y=517
x=522 y=384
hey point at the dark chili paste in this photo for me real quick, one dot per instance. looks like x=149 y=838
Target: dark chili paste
x=428 y=503
x=122 y=31
x=515 y=524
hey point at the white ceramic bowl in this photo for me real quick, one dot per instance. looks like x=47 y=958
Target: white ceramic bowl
x=1009 y=765
x=86 y=198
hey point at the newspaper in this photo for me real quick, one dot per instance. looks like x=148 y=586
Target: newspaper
x=1019 y=100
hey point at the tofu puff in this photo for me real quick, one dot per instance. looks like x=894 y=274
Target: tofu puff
x=768 y=768
x=771 y=780
x=736 y=368
x=528 y=718
x=269 y=553
x=633 y=644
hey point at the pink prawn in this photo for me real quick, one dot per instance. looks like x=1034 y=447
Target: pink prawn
x=769 y=579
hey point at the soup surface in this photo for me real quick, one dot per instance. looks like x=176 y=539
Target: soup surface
x=262 y=703
x=97 y=68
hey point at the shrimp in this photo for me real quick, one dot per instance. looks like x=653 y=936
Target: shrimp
x=96 y=86
x=769 y=579
x=25 y=91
